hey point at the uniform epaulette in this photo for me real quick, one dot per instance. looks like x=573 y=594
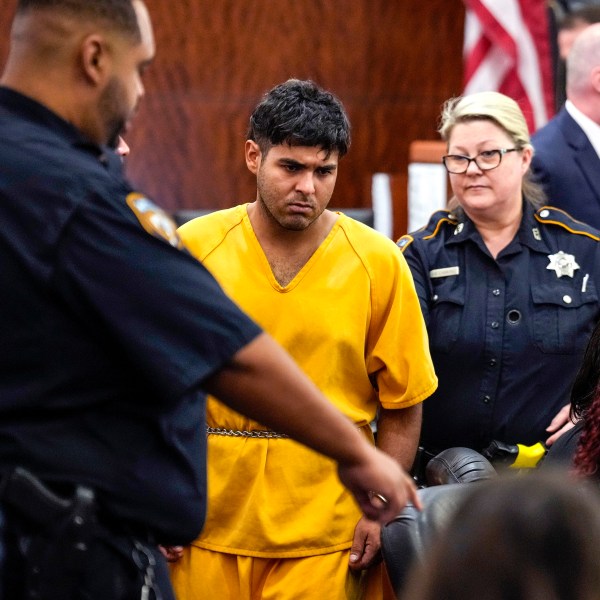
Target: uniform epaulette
x=549 y=215
x=405 y=241
x=428 y=231
x=436 y=220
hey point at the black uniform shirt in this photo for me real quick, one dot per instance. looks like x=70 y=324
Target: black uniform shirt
x=107 y=328
x=506 y=335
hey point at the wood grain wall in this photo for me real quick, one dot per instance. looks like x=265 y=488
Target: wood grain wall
x=392 y=63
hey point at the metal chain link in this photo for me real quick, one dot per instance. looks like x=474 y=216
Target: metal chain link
x=256 y=433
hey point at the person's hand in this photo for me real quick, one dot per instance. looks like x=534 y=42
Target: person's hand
x=365 y=551
x=379 y=485
x=171 y=553
x=559 y=424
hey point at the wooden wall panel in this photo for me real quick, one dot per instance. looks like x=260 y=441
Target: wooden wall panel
x=392 y=63
x=7 y=9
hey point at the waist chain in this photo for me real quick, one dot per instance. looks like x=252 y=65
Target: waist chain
x=255 y=433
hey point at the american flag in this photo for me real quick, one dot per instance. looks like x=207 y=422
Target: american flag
x=507 y=49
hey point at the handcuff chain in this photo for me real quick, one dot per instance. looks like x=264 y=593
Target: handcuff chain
x=145 y=561
x=255 y=433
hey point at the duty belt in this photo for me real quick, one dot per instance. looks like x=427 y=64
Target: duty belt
x=57 y=553
x=255 y=433
x=30 y=497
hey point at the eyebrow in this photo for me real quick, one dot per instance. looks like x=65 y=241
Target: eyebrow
x=479 y=145
x=294 y=163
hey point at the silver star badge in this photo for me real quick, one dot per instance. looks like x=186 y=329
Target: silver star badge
x=562 y=264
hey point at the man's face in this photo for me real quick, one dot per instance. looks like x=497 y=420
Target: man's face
x=119 y=100
x=294 y=183
x=114 y=109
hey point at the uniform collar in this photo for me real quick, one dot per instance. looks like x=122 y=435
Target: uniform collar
x=27 y=108
x=464 y=228
x=529 y=233
x=590 y=127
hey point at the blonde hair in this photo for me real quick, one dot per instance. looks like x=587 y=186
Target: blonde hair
x=503 y=112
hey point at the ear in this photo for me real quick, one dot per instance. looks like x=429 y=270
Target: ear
x=595 y=79
x=527 y=156
x=94 y=58
x=253 y=156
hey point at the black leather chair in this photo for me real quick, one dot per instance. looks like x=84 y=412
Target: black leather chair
x=405 y=539
x=458 y=465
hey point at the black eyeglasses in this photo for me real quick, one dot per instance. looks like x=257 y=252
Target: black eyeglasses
x=486 y=160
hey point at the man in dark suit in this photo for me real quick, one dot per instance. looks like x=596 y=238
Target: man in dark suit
x=567 y=149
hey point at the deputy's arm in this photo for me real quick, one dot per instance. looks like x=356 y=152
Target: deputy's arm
x=263 y=382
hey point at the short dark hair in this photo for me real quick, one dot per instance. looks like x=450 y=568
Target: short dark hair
x=587 y=14
x=300 y=113
x=118 y=14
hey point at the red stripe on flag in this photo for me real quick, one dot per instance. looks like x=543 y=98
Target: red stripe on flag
x=537 y=23
x=511 y=86
x=528 y=76
x=493 y=29
x=477 y=56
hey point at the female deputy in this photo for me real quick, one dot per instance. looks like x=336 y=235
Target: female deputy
x=508 y=288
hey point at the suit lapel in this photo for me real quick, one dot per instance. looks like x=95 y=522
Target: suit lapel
x=583 y=152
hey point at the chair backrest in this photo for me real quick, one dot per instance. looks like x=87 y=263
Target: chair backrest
x=364 y=215
x=427 y=181
x=450 y=475
x=405 y=539
x=183 y=216
x=458 y=465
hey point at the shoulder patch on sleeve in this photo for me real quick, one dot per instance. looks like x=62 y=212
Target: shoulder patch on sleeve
x=549 y=215
x=436 y=220
x=404 y=242
x=154 y=219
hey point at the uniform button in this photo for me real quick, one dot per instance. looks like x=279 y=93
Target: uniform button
x=544 y=213
x=495 y=324
x=567 y=299
x=496 y=292
x=493 y=362
x=486 y=399
x=435 y=297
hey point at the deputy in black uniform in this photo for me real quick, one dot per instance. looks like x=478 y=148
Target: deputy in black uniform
x=110 y=329
x=509 y=291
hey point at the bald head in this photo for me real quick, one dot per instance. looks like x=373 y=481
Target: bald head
x=116 y=14
x=48 y=28
x=583 y=59
x=82 y=59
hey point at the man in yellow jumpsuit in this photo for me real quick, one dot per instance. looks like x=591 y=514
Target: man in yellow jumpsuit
x=340 y=298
